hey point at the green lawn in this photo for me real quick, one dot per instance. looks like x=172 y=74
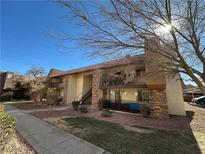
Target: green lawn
x=28 y=105
x=119 y=140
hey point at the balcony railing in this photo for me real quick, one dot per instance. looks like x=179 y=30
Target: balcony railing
x=111 y=81
x=57 y=85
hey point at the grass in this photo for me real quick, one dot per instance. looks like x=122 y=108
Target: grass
x=22 y=106
x=28 y=105
x=118 y=140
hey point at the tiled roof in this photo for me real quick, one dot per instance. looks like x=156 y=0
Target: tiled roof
x=139 y=59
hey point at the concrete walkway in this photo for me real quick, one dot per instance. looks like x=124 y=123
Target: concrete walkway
x=47 y=139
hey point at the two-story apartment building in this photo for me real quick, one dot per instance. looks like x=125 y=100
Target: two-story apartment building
x=7 y=82
x=8 y=89
x=132 y=79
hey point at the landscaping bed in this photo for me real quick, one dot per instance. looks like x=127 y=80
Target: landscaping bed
x=32 y=105
x=11 y=142
x=122 y=140
x=17 y=145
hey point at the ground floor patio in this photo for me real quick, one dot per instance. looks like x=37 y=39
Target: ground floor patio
x=193 y=121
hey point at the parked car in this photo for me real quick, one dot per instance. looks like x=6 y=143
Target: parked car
x=189 y=96
x=199 y=100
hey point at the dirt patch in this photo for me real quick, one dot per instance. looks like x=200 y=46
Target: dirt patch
x=139 y=129
x=15 y=145
x=60 y=123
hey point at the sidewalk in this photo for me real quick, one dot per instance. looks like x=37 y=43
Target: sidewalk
x=47 y=139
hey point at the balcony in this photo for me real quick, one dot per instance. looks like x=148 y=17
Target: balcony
x=57 y=85
x=122 y=81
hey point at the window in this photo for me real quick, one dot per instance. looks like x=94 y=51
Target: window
x=143 y=96
x=140 y=73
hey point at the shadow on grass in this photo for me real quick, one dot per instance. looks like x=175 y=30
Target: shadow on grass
x=117 y=139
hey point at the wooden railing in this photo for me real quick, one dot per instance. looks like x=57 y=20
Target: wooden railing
x=57 y=85
x=85 y=97
x=123 y=79
x=115 y=81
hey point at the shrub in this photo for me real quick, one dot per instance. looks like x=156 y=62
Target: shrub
x=22 y=90
x=106 y=104
x=39 y=94
x=7 y=125
x=106 y=113
x=75 y=105
x=59 y=100
x=52 y=97
x=83 y=109
x=145 y=110
x=6 y=97
x=1 y=108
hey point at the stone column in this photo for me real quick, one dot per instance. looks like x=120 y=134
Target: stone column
x=158 y=104
x=96 y=87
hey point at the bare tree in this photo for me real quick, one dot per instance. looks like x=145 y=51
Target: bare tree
x=120 y=27
x=36 y=72
x=38 y=86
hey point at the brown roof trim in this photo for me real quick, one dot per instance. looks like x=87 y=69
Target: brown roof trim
x=54 y=72
x=139 y=59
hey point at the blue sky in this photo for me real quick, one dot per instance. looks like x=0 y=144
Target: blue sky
x=24 y=39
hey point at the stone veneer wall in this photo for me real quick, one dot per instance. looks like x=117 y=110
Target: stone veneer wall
x=96 y=87
x=158 y=104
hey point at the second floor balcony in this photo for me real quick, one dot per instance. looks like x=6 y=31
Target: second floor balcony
x=122 y=80
x=57 y=85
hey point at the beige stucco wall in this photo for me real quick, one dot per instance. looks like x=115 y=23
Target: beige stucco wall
x=174 y=95
x=128 y=95
x=87 y=83
x=65 y=88
x=71 y=92
x=154 y=73
x=77 y=85
x=61 y=92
